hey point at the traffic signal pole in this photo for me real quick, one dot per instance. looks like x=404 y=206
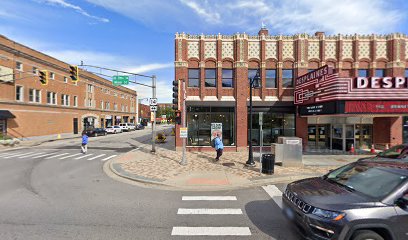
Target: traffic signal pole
x=183 y=159
x=154 y=115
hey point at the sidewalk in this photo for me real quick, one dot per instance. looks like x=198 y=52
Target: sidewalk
x=162 y=169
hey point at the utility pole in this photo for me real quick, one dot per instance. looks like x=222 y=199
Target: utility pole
x=183 y=159
x=154 y=115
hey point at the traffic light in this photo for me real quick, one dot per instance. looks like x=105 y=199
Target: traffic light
x=178 y=117
x=176 y=95
x=74 y=72
x=43 y=77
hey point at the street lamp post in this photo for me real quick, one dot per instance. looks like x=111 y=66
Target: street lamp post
x=253 y=82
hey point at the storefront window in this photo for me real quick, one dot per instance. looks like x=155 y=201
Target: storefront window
x=273 y=125
x=405 y=129
x=287 y=78
x=194 y=77
x=271 y=78
x=199 y=121
x=210 y=78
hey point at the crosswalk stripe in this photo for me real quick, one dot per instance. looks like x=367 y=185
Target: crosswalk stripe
x=31 y=155
x=8 y=153
x=274 y=193
x=59 y=155
x=210 y=211
x=44 y=155
x=86 y=155
x=18 y=155
x=210 y=231
x=105 y=159
x=209 y=198
x=96 y=157
x=73 y=155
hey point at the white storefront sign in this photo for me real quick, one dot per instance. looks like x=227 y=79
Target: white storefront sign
x=215 y=129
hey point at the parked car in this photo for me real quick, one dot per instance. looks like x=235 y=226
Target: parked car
x=367 y=199
x=94 y=132
x=126 y=127
x=114 y=129
x=140 y=127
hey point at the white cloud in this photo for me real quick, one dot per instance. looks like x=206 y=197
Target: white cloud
x=150 y=67
x=281 y=16
x=77 y=8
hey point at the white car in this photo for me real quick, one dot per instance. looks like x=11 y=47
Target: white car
x=114 y=129
x=126 y=127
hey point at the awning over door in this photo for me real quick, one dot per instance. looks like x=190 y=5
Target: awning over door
x=5 y=114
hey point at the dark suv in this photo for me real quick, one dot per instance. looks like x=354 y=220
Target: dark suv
x=364 y=200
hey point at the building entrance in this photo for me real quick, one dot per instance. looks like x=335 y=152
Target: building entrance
x=319 y=136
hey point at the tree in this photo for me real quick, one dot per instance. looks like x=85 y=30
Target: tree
x=168 y=111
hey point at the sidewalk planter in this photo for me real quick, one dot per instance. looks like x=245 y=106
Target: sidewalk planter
x=160 y=138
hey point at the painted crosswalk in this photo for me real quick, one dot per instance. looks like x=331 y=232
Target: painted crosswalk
x=215 y=212
x=57 y=155
x=274 y=193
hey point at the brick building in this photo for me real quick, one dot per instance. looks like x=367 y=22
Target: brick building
x=217 y=69
x=30 y=109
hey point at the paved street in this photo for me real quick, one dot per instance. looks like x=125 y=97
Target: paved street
x=53 y=191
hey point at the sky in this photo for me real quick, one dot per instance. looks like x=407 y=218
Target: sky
x=138 y=35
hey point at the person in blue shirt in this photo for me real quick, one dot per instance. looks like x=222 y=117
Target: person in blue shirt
x=84 y=146
x=219 y=146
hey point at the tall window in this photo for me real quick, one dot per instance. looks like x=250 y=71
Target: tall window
x=380 y=72
x=102 y=104
x=107 y=105
x=35 y=70
x=65 y=80
x=90 y=88
x=75 y=101
x=19 y=66
x=287 y=78
x=34 y=95
x=406 y=72
x=52 y=75
x=210 y=78
x=51 y=98
x=227 y=78
x=252 y=74
x=271 y=78
x=115 y=106
x=64 y=100
x=363 y=72
x=194 y=77
x=19 y=93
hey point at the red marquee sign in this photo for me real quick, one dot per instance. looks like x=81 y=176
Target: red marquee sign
x=376 y=107
x=322 y=85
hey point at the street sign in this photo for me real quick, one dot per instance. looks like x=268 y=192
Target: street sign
x=153 y=101
x=183 y=132
x=120 y=80
x=153 y=108
x=152 y=117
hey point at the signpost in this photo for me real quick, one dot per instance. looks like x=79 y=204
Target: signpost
x=183 y=132
x=153 y=108
x=120 y=80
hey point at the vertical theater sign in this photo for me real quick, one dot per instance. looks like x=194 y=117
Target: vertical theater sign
x=323 y=92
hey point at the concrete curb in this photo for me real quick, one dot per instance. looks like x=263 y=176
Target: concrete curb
x=160 y=184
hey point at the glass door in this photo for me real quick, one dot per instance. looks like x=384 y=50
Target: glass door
x=337 y=137
x=323 y=139
x=349 y=137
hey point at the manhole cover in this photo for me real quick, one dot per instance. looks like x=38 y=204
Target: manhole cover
x=229 y=164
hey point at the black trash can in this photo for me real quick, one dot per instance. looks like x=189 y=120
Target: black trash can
x=268 y=163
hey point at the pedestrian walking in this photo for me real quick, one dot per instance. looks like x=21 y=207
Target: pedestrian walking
x=219 y=146
x=84 y=146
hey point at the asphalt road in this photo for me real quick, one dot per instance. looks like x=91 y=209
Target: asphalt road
x=54 y=192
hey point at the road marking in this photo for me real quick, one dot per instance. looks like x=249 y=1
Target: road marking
x=209 y=198
x=103 y=160
x=44 y=155
x=211 y=231
x=16 y=154
x=96 y=157
x=70 y=156
x=209 y=211
x=9 y=153
x=86 y=155
x=59 y=155
x=274 y=193
x=32 y=155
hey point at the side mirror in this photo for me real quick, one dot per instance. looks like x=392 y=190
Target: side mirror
x=403 y=201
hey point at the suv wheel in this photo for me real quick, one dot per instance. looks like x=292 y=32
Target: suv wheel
x=366 y=235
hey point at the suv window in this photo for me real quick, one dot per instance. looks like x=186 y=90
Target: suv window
x=372 y=180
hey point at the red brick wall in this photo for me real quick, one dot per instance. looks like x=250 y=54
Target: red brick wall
x=387 y=130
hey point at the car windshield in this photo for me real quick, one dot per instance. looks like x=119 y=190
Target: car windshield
x=373 y=180
x=394 y=152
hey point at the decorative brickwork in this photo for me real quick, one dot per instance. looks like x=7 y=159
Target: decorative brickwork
x=330 y=50
x=210 y=50
x=381 y=49
x=287 y=51
x=271 y=50
x=253 y=50
x=313 y=51
x=228 y=50
x=364 y=50
x=193 y=49
x=347 y=50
